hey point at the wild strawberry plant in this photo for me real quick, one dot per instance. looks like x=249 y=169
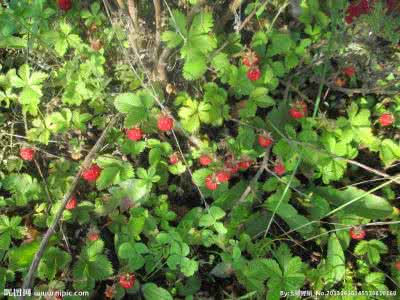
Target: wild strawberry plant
x=200 y=149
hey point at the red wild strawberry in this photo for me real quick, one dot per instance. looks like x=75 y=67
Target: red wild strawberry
x=134 y=134
x=205 y=160
x=264 y=140
x=223 y=176
x=27 y=153
x=231 y=167
x=357 y=233
x=386 y=119
x=92 y=173
x=127 y=280
x=173 y=159
x=250 y=59
x=244 y=164
x=254 y=74
x=71 y=204
x=298 y=110
x=349 y=71
x=279 y=169
x=211 y=182
x=397 y=265
x=165 y=123
x=93 y=235
x=65 y=5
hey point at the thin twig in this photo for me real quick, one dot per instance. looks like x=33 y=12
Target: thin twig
x=28 y=281
x=50 y=200
x=262 y=168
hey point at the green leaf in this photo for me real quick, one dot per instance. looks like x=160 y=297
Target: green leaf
x=151 y=291
x=136 y=106
x=389 y=152
x=195 y=66
x=336 y=262
x=260 y=97
x=372 y=249
x=369 y=206
x=114 y=171
x=281 y=43
x=53 y=261
x=21 y=257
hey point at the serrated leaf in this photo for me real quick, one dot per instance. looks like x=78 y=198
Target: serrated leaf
x=151 y=291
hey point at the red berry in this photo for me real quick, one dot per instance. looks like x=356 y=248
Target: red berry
x=127 y=281
x=134 y=134
x=65 y=5
x=93 y=235
x=211 y=182
x=165 y=123
x=298 y=110
x=254 y=74
x=223 y=176
x=231 y=167
x=392 y=5
x=173 y=159
x=71 y=204
x=27 y=153
x=349 y=71
x=357 y=233
x=92 y=173
x=250 y=59
x=205 y=160
x=279 y=169
x=244 y=165
x=397 y=265
x=264 y=140
x=386 y=119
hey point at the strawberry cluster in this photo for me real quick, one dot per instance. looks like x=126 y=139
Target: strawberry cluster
x=251 y=60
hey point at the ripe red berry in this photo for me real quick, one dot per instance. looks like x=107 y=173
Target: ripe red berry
x=244 y=164
x=264 y=140
x=93 y=235
x=357 y=233
x=134 y=134
x=27 y=153
x=279 y=169
x=349 y=71
x=165 y=123
x=211 y=182
x=127 y=281
x=231 y=167
x=65 y=5
x=298 y=110
x=173 y=159
x=205 y=160
x=254 y=74
x=92 y=173
x=397 y=265
x=71 y=204
x=223 y=176
x=386 y=119
x=250 y=59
